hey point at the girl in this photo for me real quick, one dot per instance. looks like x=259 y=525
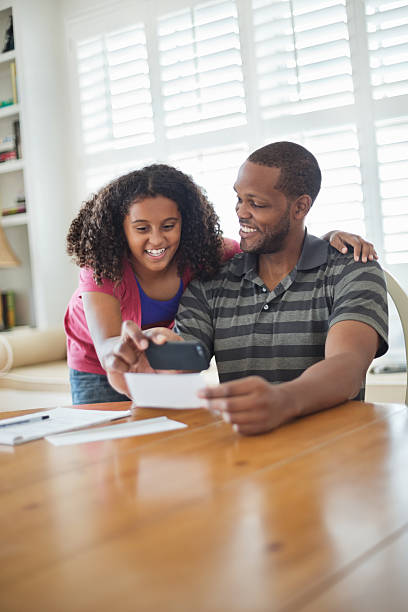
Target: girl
x=138 y=242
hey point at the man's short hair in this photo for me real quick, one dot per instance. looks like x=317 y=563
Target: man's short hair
x=300 y=173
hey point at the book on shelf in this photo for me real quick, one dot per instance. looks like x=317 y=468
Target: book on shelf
x=7 y=310
x=13 y=81
x=7 y=156
x=7 y=143
x=9 y=37
x=15 y=210
x=17 y=138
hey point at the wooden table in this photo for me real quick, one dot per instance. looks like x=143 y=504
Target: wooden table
x=311 y=517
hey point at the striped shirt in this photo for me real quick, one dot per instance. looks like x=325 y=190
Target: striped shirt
x=280 y=333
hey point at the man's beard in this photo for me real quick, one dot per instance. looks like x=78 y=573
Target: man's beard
x=272 y=242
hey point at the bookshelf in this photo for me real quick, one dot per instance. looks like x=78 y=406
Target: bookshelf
x=46 y=170
x=11 y=166
x=8 y=111
x=14 y=218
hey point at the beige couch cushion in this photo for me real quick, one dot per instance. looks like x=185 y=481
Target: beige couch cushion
x=34 y=359
x=51 y=376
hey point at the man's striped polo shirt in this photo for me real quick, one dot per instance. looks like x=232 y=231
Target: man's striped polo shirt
x=278 y=334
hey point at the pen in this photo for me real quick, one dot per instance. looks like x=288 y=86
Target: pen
x=30 y=420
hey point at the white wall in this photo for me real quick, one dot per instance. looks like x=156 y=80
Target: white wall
x=46 y=132
x=72 y=8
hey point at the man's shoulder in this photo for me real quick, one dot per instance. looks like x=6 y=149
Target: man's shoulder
x=341 y=261
x=335 y=259
x=343 y=271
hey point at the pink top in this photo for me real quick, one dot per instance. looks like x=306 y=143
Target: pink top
x=81 y=352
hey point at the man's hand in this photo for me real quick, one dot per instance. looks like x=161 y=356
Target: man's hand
x=362 y=248
x=251 y=404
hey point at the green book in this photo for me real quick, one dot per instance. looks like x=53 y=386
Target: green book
x=9 y=309
x=2 y=321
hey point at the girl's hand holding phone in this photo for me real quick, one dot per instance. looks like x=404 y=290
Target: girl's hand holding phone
x=128 y=351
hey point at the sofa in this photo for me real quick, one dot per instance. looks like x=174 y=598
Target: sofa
x=34 y=359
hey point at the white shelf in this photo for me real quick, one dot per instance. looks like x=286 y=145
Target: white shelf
x=14 y=220
x=8 y=111
x=12 y=180
x=7 y=57
x=11 y=166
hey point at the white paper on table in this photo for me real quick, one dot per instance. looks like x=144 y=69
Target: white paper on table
x=61 y=419
x=166 y=390
x=122 y=430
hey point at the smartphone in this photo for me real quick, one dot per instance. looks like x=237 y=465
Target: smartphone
x=188 y=356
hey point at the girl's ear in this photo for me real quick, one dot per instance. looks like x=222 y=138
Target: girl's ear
x=302 y=206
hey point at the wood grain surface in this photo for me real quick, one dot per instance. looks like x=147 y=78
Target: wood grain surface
x=313 y=517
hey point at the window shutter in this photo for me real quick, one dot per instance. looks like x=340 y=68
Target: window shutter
x=97 y=177
x=387 y=27
x=115 y=99
x=216 y=171
x=303 y=56
x=339 y=204
x=201 y=72
x=392 y=137
x=298 y=78
x=387 y=31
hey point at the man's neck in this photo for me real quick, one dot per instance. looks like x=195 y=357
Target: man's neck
x=274 y=267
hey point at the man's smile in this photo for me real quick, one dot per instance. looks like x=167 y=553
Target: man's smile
x=246 y=229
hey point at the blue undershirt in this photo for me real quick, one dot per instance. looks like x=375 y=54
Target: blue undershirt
x=158 y=312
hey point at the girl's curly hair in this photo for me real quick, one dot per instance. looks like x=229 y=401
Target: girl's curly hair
x=96 y=238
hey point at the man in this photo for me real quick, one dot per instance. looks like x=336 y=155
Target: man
x=293 y=324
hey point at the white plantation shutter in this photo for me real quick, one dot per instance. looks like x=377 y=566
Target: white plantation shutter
x=97 y=177
x=392 y=138
x=387 y=27
x=303 y=56
x=201 y=72
x=200 y=83
x=216 y=171
x=303 y=61
x=387 y=33
x=114 y=90
x=340 y=201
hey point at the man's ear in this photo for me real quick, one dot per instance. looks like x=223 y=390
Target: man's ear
x=302 y=206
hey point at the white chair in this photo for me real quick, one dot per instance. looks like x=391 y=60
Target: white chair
x=400 y=299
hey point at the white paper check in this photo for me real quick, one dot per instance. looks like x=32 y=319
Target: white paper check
x=123 y=430
x=166 y=390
